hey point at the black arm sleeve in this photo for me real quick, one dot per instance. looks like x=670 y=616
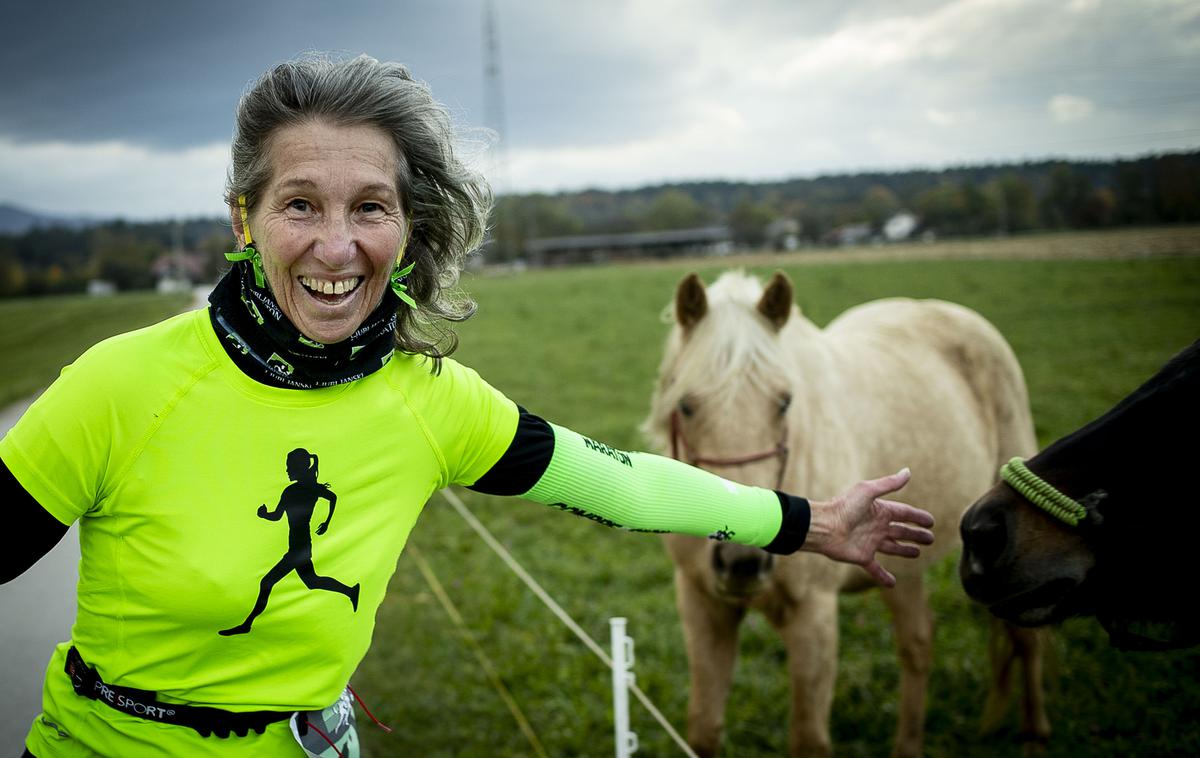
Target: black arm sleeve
x=797 y=517
x=525 y=460
x=30 y=530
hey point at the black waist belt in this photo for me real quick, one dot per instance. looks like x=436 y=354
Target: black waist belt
x=142 y=703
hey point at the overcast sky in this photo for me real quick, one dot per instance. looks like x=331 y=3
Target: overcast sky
x=125 y=108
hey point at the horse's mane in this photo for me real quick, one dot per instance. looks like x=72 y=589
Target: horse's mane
x=730 y=348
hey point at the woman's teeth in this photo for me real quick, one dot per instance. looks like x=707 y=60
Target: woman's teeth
x=330 y=287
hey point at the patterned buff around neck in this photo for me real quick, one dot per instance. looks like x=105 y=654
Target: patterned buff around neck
x=267 y=347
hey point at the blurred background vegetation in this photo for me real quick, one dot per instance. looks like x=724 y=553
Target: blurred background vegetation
x=54 y=256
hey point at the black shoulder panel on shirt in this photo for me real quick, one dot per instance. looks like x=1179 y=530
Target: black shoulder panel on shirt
x=524 y=462
x=793 y=529
x=30 y=530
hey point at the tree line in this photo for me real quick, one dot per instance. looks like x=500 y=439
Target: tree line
x=62 y=259
x=965 y=201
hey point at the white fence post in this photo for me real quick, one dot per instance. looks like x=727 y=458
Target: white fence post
x=622 y=679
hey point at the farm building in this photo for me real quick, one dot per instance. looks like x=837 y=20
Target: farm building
x=595 y=248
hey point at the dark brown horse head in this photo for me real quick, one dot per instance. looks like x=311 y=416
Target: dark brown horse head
x=1130 y=559
x=1026 y=566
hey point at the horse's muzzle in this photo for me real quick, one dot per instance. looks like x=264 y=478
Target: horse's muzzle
x=740 y=570
x=1015 y=569
x=986 y=544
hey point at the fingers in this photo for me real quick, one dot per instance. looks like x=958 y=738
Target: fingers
x=879 y=573
x=902 y=512
x=885 y=484
x=908 y=533
x=901 y=549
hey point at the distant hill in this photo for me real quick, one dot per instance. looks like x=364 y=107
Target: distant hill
x=16 y=220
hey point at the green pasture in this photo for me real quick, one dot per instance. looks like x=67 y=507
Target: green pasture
x=41 y=335
x=581 y=346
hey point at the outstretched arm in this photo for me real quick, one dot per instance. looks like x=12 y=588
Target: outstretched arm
x=643 y=492
x=332 y=498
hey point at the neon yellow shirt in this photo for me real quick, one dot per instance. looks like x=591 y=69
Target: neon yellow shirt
x=164 y=451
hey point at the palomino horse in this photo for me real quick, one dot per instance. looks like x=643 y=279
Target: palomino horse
x=1122 y=544
x=752 y=390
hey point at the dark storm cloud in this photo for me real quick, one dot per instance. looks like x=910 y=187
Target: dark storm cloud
x=169 y=74
x=124 y=106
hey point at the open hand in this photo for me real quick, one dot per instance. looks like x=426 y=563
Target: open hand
x=855 y=526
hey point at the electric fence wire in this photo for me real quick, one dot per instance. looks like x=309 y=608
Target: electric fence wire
x=457 y=504
x=480 y=656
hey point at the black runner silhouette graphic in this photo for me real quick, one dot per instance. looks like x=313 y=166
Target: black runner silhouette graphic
x=297 y=502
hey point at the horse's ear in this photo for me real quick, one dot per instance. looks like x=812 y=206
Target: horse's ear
x=690 y=302
x=776 y=300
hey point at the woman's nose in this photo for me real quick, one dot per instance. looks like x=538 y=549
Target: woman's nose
x=335 y=245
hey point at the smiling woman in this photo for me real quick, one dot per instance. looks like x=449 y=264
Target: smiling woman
x=325 y=342
x=329 y=224
x=400 y=158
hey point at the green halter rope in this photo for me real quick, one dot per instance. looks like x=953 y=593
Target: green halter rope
x=1041 y=493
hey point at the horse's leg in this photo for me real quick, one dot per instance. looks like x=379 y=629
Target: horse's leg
x=809 y=629
x=1001 y=654
x=1029 y=645
x=710 y=631
x=1007 y=645
x=912 y=620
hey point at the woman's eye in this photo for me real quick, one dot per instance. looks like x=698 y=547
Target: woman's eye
x=785 y=402
x=686 y=408
x=301 y=206
x=371 y=208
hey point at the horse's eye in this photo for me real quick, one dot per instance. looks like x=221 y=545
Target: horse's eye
x=685 y=407
x=785 y=402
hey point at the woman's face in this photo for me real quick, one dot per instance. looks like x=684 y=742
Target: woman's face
x=329 y=225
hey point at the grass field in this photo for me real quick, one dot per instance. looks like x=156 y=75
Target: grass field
x=581 y=347
x=41 y=335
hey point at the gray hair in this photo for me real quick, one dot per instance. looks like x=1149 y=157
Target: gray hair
x=447 y=203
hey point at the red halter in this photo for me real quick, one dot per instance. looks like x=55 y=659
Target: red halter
x=677 y=442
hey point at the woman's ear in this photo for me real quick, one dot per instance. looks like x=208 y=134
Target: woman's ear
x=235 y=218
